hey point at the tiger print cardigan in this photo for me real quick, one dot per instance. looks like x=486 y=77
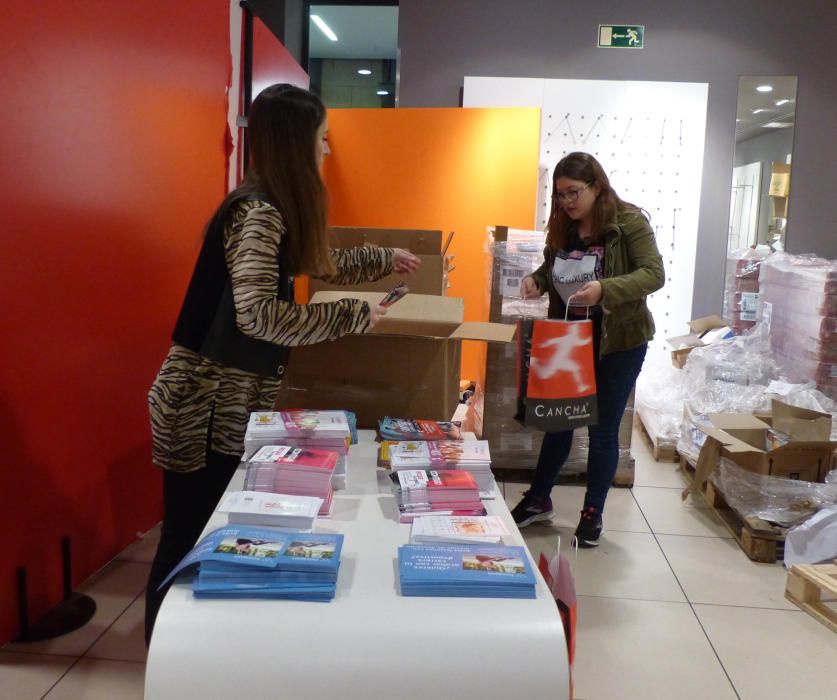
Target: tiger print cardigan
x=196 y=403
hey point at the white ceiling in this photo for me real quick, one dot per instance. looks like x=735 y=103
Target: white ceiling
x=363 y=31
x=747 y=124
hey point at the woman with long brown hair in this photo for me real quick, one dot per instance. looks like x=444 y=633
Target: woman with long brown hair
x=600 y=259
x=238 y=321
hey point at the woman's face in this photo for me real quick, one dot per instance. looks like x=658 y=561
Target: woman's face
x=575 y=197
x=320 y=143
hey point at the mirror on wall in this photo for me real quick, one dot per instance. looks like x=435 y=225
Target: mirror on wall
x=762 y=162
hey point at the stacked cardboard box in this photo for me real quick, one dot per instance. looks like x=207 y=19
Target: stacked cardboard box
x=799 y=301
x=513 y=446
x=408 y=365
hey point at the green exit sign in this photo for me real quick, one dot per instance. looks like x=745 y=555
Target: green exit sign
x=621 y=36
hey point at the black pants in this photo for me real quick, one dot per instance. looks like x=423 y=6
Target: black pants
x=189 y=498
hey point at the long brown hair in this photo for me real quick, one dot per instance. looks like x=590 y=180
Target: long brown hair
x=282 y=130
x=584 y=168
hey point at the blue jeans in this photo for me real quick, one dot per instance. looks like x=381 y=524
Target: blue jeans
x=616 y=375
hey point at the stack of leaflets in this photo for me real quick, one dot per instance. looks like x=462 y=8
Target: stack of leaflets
x=252 y=562
x=271 y=509
x=445 y=492
x=407 y=429
x=321 y=430
x=293 y=471
x=454 y=529
x=472 y=455
x=467 y=571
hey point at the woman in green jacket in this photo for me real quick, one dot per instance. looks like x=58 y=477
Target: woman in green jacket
x=600 y=258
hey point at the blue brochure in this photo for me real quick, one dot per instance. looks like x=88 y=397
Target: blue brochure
x=249 y=549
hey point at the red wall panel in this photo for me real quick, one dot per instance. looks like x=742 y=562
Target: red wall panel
x=112 y=154
x=272 y=62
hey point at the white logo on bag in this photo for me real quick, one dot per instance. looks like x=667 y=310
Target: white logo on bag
x=561 y=360
x=581 y=410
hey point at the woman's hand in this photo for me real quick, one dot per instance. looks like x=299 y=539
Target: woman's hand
x=529 y=288
x=589 y=295
x=375 y=314
x=404 y=262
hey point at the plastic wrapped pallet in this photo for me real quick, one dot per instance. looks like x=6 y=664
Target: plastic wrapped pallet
x=741 y=291
x=659 y=404
x=783 y=502
x=799 y=302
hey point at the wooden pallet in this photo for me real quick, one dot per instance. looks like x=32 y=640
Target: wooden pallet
x=805 y=588
x=662 y=453
x=760 y=540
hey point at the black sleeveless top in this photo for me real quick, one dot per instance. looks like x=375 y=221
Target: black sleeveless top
x=206 y=323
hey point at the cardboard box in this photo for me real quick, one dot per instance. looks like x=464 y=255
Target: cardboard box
x=408 y=365
x=743 y=439
x=430 y=246
x=800 y=423
x=702 y=331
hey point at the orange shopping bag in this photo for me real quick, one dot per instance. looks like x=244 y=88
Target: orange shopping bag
x=556 y=375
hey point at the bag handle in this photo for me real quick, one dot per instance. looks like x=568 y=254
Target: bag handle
x=567 y=309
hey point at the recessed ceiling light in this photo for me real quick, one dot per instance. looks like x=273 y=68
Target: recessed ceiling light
x=324 y=28
x=778 y=125
x=765 y=88
x=364 y=71
x=739 y=120
x=383 y=92
x=779 y=103
x=756 y=111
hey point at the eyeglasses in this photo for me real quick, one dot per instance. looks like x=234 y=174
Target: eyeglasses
x=570 y=195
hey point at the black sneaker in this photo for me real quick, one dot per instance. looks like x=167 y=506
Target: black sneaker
x=531 y=509
x=589 y=528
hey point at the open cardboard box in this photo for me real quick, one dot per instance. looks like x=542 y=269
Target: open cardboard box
x=430 y=246
x=743 y=439
x=408 y=365
x=702 y=331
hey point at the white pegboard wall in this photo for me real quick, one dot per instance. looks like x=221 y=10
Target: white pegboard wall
x=649 y=137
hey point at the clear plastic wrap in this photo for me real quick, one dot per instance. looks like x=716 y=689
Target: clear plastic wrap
x=659 y=404
x=799 y=297
x=741 y=289
x=784 y=502
x=519 y=255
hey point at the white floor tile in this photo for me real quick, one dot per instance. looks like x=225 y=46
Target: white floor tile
x=715 y=571
x=114 y=588
x=144 y=548
x=773 y=654
x=30 y=676
x=96 y=679
x=125 y=640
x=668 y=514
x=650 y=472
x=629 y=649
x=624 y=565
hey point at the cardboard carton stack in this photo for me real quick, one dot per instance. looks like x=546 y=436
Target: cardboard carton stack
x=512 y=445
x=409 y=364
x=799 y=301
x=741 y=291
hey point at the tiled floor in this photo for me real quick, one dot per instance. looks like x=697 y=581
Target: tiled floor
x=668 y=607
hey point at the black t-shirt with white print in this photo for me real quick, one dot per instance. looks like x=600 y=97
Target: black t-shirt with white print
x=574 y=268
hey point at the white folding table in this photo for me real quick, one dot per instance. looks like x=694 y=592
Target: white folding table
x=369 y=641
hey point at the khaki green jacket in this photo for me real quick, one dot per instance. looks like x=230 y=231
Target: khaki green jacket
x=633 y=269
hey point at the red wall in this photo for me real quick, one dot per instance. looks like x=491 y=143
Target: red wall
x=272 y=62
x=112 y=152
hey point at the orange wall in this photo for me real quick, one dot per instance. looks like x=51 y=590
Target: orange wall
x=112 y=153
x=451 y=169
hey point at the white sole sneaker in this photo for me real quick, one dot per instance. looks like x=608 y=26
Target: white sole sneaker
x=535 y=518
